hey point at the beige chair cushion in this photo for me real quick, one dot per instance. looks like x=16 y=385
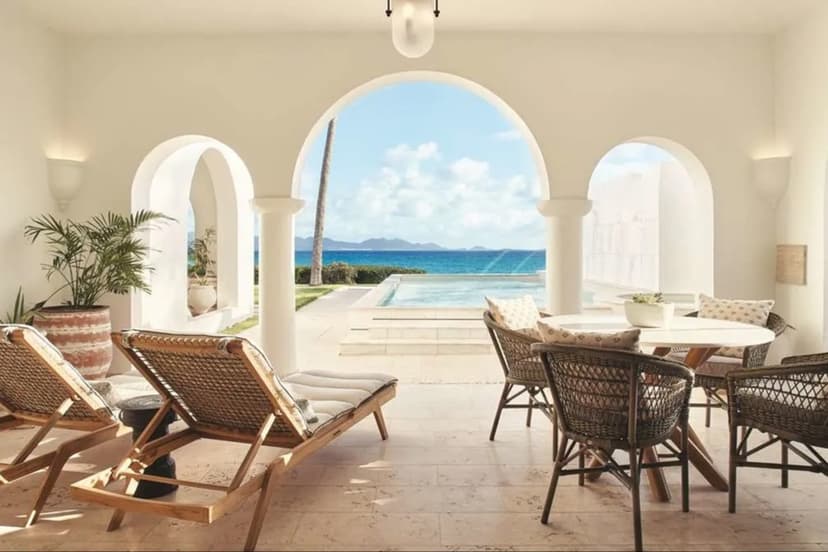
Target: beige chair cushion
x=519 y=315
x=747 y=312
x=625 y=340
x=331 y=395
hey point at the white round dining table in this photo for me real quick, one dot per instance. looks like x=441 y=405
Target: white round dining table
x=702 y=338
x=684 y=332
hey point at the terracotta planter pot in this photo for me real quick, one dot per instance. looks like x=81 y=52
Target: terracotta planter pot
x=82 y=335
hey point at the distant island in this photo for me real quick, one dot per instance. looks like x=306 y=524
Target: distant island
x=374 y=244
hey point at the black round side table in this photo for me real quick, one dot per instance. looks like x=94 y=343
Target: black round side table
x=137 y=413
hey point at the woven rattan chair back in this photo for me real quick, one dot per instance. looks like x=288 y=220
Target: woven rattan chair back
x=514 y=350
x=35 y=381
x=220 y=386
x=789 y=401
x=615 y=399
x=756 y=355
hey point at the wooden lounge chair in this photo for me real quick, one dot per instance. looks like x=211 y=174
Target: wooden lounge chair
x=223 y=388
x=38 y=387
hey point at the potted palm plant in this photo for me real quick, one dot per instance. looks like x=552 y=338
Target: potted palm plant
x=649 y=310
x=93 y=258
x=202 y=293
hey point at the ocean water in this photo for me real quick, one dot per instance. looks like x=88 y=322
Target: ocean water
x=440 y=262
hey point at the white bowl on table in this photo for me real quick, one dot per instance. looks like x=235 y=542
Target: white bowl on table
x=649 y=315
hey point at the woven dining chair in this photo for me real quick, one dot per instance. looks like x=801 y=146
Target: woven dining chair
x=523 y=375
x=789 y=403
x=223 y=388
x=710 y=376
x=608 y=401
x=38 y=387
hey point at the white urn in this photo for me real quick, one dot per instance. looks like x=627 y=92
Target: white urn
x=201 y=298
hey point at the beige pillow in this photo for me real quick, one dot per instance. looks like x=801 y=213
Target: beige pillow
x=520 y=314
x=625 y=340
x=735 y=310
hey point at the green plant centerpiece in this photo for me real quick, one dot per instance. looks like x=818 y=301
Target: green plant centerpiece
x=202 y=293
x=648 y=298
x=100 y=256
x=649 y=310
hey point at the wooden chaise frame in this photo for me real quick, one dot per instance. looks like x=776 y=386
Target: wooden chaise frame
x=38 y=387
x=223 y=389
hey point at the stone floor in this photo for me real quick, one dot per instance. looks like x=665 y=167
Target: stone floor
x=437 y=483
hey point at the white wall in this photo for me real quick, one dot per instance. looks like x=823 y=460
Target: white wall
x=802 y=123
x=29 y=129
x=203 y=199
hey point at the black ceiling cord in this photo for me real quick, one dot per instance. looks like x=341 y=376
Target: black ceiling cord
x=389 y=11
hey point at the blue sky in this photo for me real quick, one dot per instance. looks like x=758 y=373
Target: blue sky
x=433 y=162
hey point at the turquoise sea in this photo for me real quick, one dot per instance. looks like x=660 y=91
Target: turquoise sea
x=441 y=262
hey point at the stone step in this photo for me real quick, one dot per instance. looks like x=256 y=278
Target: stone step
x=355 y=345
x=442 y=332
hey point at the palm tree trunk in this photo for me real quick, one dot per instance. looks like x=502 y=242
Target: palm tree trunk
x=319 y=226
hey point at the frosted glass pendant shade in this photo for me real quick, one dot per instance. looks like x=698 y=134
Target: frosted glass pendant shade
x=412 y=27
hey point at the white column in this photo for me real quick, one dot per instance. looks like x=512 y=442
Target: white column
x=277 y=310
x=564 y=252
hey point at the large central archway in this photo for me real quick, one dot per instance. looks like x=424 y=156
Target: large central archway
x=432 y=183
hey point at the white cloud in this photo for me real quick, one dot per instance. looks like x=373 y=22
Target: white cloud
x=404 y=153
x=418 y=197
x=469 y=170
x=511 y=135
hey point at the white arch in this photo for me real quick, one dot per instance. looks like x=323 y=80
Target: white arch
x=686 y=248
x=431 y=76
x=162 y=183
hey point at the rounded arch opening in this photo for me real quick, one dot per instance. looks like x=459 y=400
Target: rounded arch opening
x=430 y=76
x=204 y=173
x=652 y=222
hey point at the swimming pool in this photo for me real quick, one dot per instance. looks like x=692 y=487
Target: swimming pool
x=461 y=292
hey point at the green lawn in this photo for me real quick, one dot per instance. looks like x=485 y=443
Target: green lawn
x=304 y=296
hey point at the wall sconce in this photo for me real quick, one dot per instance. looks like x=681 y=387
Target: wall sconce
x=65 y=180
x=770 y=177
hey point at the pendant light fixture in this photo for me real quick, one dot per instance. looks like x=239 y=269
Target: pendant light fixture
x=412 y=25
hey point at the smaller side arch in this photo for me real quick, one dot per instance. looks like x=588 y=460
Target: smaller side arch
x=686 y=223
x=163 y=183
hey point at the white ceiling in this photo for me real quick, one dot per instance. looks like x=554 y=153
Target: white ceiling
x=228 y=16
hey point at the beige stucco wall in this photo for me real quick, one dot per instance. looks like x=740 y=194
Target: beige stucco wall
x=802 y=121
x=30 y=79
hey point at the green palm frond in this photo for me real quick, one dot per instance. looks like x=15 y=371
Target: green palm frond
x=102 y=255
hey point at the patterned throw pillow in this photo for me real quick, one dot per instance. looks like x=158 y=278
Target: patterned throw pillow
x=519 y=315
x=734 y=310
x=625 y=340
